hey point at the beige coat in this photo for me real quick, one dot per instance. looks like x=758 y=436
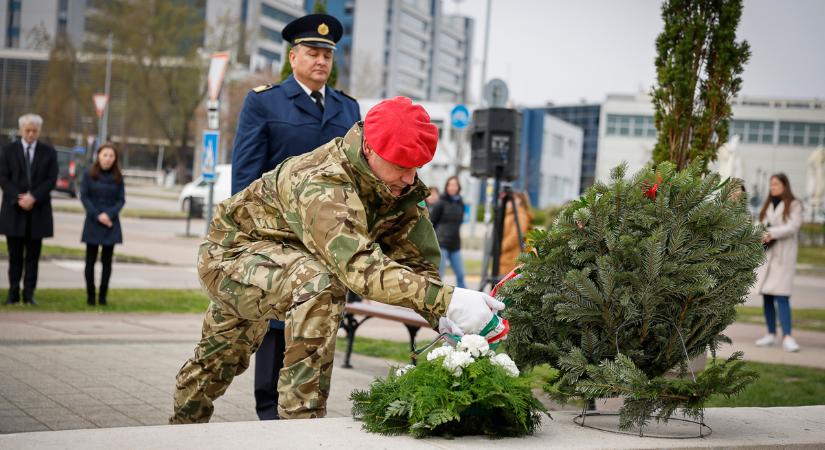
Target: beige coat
x=775 y=277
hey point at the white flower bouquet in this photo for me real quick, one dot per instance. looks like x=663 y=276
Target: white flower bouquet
x=466 y=390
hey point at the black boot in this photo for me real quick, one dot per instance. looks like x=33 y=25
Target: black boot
x=90 y=294
x=101 y=296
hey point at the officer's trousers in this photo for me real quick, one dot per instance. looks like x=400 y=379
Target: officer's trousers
x=266 y=280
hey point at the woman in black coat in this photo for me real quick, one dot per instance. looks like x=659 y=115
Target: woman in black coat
x=103 y=196
x=446 y=216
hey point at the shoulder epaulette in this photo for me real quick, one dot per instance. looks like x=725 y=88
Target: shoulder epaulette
x=264 y=87
x=346 y=95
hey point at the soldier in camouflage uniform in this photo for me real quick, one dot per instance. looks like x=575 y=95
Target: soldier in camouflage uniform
x=344 y=216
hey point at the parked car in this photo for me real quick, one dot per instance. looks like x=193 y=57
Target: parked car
x=70 y=167
x=200 y=188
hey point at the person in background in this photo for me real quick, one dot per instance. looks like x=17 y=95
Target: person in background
x=510 y=244
x=432 y=199
x=446 y=216
x=103 y=196
x=278 y=121
x=28 y=173
x=782 y=216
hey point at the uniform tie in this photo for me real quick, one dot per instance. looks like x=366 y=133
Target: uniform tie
x=319 y=100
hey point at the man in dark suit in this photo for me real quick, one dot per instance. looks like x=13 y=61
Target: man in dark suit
x=28 y=173
x=279 y=121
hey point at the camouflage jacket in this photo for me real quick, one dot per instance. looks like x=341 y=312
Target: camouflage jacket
x=330 y=204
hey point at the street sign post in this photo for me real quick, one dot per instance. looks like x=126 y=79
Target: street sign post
x=211 y=141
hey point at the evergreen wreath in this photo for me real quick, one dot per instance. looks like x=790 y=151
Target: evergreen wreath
x=469 y=390
x=634 y=279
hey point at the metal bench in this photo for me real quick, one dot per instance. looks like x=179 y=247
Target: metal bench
x=368 y=309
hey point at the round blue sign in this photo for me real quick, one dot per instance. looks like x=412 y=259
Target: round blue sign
x=460 y=116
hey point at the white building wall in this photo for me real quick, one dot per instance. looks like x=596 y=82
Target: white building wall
x=759 y=160
x=561 y=162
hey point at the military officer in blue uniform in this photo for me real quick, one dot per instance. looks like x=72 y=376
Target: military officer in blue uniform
x=289 y=119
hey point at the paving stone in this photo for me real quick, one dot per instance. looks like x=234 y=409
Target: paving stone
x=77 y=399
x=20 y=424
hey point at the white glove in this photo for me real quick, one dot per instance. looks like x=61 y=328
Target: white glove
x=470 y=311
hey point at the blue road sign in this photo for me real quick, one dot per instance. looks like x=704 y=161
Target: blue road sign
x=460 y=117
x=211 y=138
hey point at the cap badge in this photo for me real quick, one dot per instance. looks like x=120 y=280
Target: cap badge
x=323 y=29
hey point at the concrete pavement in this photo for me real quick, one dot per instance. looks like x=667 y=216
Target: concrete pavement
x=84 y=370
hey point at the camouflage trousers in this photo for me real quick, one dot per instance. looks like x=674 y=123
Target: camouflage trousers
x=267 y=280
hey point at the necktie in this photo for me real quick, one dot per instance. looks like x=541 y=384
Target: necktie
x=29 y=162
x=318 y=100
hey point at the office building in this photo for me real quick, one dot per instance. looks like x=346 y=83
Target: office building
x=775 y=135
x=410 y=48
x=586 y=117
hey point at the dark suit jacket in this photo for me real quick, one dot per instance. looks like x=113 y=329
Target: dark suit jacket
x=280 y=121
x=13 y=181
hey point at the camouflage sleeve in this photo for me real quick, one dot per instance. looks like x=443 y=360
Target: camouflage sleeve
x=413 y=243
x=331 y=221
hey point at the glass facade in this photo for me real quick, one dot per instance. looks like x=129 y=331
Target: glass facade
x=272 y=35
x=753 y=131
x=802 y=133
x=269 y=55
x=13 y=24
x=585 y=117
x=626 y=125
x=277 y=14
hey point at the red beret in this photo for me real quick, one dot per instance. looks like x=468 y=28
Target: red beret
x=401 y=132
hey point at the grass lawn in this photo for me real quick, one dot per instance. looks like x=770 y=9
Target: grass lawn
x=811 y=255
x=60 y=252
x=128 y=212
x=120 y=300
x=779 y=385
x=803 y=319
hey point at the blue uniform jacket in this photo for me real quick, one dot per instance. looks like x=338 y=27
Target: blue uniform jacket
x=102 y=195
x=283 y=121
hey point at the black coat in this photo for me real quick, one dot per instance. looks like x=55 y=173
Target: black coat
x=13 y=180
x=447 y=215
x=99 y=196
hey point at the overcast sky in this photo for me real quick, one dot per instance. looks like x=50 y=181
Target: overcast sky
x=566 y=51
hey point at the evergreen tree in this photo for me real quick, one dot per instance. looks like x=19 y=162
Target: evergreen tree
x=698 y=67
x=634 y=279
x=286 y=68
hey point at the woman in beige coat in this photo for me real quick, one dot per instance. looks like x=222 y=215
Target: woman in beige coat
x=782 y=215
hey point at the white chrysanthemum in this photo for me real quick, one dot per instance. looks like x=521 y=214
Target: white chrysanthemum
x=439 y=352
x=456 y=361
x=503 y=360
x=473 y=344
x=402 y=370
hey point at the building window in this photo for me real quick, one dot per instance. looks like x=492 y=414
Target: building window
x=411 y=63
x=801 y=133
x=636 y=126
x=270 y=55
x=276 y=14
x=272 y=35
x=414 y=23
x=752 y=131
x=411 y=42
x=13 y=24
